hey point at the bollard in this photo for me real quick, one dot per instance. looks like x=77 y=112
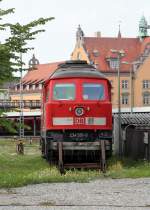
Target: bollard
x=20 y=147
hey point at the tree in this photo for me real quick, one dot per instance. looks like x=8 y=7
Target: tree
x=15 y=45
x=21 y=34
x=5 y=53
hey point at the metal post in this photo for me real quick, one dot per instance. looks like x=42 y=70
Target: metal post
x=119 y=108
x=21 y=119
x=120 y=53
x=131 y=88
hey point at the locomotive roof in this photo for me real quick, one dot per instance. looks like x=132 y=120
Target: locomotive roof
x=76 y=69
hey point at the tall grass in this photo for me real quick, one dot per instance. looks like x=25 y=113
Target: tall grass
x=19 y=170
x=127 y=168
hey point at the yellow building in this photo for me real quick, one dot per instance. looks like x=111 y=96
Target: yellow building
x=128 y=56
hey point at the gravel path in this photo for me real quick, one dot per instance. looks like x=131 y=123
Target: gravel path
x=119 y=194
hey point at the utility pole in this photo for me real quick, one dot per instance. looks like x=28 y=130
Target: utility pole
x=119 y=107
x=119 y=53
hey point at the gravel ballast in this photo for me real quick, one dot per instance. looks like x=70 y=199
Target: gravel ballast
x=100 y=194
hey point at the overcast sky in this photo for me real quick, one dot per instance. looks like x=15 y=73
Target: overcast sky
x=57 y=43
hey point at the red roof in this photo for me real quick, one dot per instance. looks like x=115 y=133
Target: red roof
x=41 y=73
x=132 y=48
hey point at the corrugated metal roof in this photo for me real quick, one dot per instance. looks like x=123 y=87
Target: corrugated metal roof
x=135 y=118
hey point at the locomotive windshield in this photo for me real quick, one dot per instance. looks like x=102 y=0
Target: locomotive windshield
x=93 y=91
x=64 y=92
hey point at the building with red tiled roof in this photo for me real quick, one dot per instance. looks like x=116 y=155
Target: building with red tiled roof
x=129 y=56
x=33 y=81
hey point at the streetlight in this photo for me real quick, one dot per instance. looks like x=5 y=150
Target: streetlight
x=120 y=53
x=131 y=81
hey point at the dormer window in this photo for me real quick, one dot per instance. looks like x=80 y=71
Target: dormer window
x=40 y=86
x=96 y=53
x=33 y=86
x=27 y=87
x=30 y=86
x=113 y=58
x=113 y=63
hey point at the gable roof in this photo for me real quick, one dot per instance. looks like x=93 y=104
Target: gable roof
x=41 y=73
x=133 y=48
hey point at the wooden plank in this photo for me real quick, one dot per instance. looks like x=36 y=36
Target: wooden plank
x=103 y=156
x=60 y=157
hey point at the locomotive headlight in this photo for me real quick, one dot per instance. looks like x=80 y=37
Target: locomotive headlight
x=79 y=111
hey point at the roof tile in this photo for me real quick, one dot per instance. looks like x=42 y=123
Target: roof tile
x=41 y=73
x=132 y=47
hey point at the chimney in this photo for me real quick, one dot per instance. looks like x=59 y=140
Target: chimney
x=98 y=34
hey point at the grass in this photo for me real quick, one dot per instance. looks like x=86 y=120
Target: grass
x=19 y=170
x=127 y=168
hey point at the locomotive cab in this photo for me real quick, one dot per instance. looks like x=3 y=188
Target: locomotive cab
x=76 y=109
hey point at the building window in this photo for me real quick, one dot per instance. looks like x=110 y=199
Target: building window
x=124 y=84
x=125 y=99
x=114 y=64
x=146 y=84
x=146 y=98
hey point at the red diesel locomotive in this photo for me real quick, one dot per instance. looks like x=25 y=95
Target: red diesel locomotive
x=76 y=115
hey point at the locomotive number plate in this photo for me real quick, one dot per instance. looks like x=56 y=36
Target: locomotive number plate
x=79 y=121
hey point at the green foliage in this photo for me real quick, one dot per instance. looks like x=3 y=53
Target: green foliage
x=21 y=34
x=7 y=124
x=5 y=53
x=3 y=13
x=6 y=64
x=16 y=44
x=11 y=51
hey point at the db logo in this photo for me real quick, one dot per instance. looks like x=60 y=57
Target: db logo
x=79 y=121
